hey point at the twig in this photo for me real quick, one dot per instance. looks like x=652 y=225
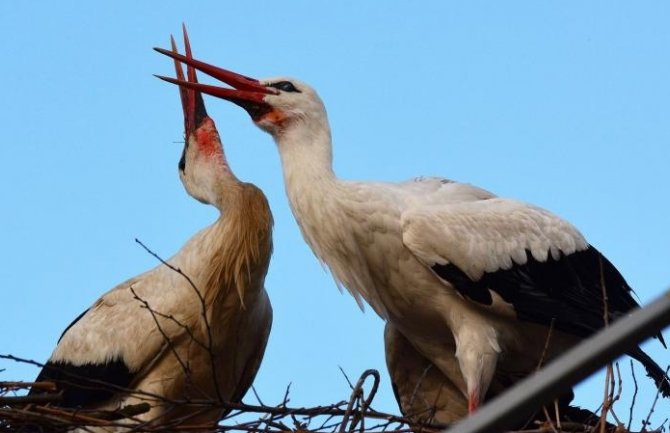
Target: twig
x=68 y=414
x=615 y=398
x=632 y=404
x=45 y=385
x=346 y=377
x=203 y=311
x=357 y=394
x=28 y=399
x=415 y=391
x=545 y=349
x=286 y=393
x=188 y=330
x=549 y=420
x=653 y=405
x=608 y=374
x=258 y=398
x=540 y=362
x=186 y=369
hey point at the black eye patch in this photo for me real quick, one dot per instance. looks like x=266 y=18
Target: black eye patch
x=285 y=86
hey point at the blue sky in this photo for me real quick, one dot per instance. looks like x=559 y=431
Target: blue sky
x=562 y=104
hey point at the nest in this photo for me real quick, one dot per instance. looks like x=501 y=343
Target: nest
x=41 y=413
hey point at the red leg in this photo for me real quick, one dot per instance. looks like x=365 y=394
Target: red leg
x=473 y=401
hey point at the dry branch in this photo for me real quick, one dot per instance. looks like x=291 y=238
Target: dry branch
x=347 y=416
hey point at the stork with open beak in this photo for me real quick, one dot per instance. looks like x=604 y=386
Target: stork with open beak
x=194 y=328
x=455 y=269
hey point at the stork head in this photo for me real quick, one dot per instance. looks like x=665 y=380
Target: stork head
x=276 y=105
x=202 y=166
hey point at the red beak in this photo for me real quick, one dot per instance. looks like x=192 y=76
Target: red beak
x=247 y=92
x=191 y=99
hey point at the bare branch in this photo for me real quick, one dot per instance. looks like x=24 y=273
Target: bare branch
x=632 y=403
x=203 y=312
x=646 y=422
x=351 y=416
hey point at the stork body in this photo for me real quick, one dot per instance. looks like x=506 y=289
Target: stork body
x=194 y=328
x=448 y=264
x=366 y=235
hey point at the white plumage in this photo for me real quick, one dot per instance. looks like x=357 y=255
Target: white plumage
x=194 y=329
x=454 y=269
x=475 y=235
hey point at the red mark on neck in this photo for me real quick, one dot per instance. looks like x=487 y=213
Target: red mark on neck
x=208 y=138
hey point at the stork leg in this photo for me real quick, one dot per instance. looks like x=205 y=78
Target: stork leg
x=477 y=359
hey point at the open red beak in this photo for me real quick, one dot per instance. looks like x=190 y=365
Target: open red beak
x=191 y=99
x=247 y=92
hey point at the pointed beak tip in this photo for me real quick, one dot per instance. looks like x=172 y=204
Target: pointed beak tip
x=167 y=79
x=246 y=92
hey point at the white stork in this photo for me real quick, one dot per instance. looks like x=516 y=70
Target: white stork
x=193 y=330
x=448 y=264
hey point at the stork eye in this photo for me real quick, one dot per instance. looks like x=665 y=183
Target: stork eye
x=286 y=86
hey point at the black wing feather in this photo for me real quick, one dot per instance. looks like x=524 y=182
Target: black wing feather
x=567 y=290
x=87 y=384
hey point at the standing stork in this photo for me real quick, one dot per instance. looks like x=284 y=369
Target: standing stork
x=194 y=328
x=455 y=269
